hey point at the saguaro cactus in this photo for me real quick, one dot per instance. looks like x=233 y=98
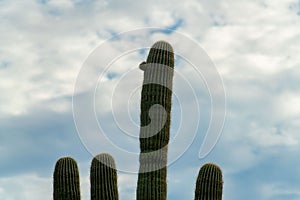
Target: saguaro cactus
x=103 y=178
x=66 y=180
x=209 y=183
x=155 y=118
x=155 y=122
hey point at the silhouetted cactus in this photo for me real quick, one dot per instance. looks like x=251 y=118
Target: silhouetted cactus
x=155 y=122
x=66 y=184
x=209 y=183
x=103 y=178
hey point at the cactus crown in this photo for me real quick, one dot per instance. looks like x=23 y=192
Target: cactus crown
x=66 y=182
x=103 y=178
x=161 y=52
x=105 y=159
x=209 y=183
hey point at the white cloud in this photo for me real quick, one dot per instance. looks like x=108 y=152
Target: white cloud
x=60 y=4
x=279 y=190
x=127 y=186
x=26 y=186
x=271 y=137
x=287 y=105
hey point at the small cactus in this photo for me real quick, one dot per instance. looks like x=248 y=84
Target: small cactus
x=103 y=178
x=209 y=183
x=66 y=180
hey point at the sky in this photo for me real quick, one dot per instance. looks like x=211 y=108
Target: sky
x=236 y=59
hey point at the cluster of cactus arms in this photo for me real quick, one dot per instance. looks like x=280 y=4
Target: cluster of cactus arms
x=155 y=118
x=103 y=179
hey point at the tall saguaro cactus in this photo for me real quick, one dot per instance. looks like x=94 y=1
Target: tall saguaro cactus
x=209 y=183
x=103 y=178
x=155 y=122
x=66 y=180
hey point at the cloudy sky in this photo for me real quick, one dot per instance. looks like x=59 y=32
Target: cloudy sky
x=56 y=51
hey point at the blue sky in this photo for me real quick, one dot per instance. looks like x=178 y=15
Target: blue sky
x=254 y=45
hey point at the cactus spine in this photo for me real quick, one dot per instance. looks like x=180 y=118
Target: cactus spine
x=66 y=180
x=155 y=129
x=209 y=183
x=103 y=178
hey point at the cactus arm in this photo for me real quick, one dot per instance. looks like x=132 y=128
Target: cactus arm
x=103 y=178
x=66 y=184
x=209 y=184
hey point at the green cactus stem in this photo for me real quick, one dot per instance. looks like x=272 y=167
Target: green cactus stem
x=209 y=183
x=66 y=184
x=103 y=178
x=155 y=122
